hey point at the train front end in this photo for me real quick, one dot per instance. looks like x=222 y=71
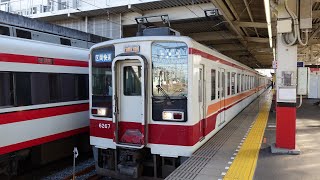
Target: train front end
x=139 y=100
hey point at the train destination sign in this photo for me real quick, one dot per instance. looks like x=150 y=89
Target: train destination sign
x=103 y=57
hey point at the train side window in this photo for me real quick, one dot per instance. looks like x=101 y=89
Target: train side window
x=6 y=90
x=54 y=87
x=82 y=87
x=23 y=34
x=248 y=82
x=213 y=84
x=242 y=83
x=67 y=87
x=233 y=82
x=40 y=93
x=4 y=31
x=65 y=41
x=23 y=88
x=238 y=83
x=218 y=84
x=228 y=83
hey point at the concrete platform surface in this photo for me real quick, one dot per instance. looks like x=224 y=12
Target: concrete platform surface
x=293 y=167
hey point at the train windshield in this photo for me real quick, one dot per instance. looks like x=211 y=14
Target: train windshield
x=102 y=78
x=170 y=69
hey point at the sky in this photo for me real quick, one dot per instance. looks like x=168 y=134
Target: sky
x=266 y=72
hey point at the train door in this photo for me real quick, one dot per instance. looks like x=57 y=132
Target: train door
x=202 y=112
x=129 y=101
x=222 y=91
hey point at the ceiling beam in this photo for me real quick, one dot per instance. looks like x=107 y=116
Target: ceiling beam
x=250 y=15
x=135 y=9
x=237 y=53
x=315 y=14
x=212 y=36
x=228 y=47
x=251 y=24
x=234 y=12
x=257 y=39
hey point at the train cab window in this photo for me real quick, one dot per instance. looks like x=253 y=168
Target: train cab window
x=213 y=84
x=233 y=82
x=4 y=31
x=228 y=83
x=169 y=78
x=65 y=41
x=6 y=90
x=101 y=78
x=23 y=34
x=132 y=80
x=170 y=68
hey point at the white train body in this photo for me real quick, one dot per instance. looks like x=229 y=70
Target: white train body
x=38 y=102
x=198 y=100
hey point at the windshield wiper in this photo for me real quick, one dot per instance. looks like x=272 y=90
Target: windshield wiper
x=163 y=92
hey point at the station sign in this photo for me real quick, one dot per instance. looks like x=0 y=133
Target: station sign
x=300 y=64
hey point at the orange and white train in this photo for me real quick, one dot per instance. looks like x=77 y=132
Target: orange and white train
x=158 y=99
x=43 y=98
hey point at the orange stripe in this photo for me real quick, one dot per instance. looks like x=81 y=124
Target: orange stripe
x=228 y=101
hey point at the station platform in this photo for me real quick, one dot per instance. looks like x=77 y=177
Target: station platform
x=241 y=150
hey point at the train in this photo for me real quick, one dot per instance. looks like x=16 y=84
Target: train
x=44 y=104
x=154 y=100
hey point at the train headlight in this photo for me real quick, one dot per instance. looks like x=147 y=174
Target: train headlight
x=173 y=115
x=101 y=111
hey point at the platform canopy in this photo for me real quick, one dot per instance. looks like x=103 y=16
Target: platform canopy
x=238 y=29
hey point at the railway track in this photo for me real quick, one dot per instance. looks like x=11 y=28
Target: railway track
x=83 y=173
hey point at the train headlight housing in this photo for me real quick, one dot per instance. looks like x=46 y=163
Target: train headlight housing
x=102 y=111
x=173 y=115
x=99 y=111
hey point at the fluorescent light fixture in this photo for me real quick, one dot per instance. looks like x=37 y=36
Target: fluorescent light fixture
x=268 y=17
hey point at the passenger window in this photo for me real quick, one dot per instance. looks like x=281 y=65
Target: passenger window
x=6 y=90
x=23 y=34
x=242 y=83
x=228 y=83
x=233 y=81
x=54 y=87
x=83 y=87
x=4 y=31
x=218 y=84
x=67 y=87
x=132 y=80
x=40 y=88
x=65 y=41
x=238 y=83
x=23 y=89
x=213 y=84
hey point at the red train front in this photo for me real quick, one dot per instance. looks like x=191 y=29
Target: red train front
x=154 y=101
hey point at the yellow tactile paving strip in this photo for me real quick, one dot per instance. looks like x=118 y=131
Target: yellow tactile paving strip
x=244 y=164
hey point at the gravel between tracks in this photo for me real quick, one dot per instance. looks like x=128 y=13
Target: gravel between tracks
x=68 y=171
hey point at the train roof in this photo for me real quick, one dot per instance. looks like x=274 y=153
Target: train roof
x=15 y=45
x=189 y=41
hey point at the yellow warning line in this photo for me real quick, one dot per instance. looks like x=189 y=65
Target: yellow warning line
x=244 y=164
